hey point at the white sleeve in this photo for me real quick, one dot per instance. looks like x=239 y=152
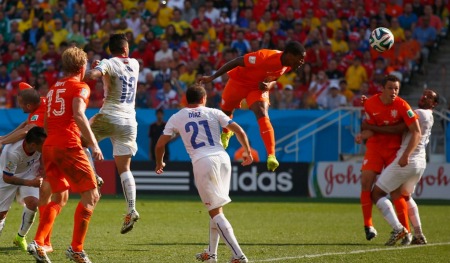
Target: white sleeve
x=170 y=128
x=103 y=66
x=224 y=120
x=11 y=161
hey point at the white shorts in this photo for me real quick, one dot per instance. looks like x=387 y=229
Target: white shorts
x=9 y=191
x=123 y=137
x=395 y=176
x=212 y=177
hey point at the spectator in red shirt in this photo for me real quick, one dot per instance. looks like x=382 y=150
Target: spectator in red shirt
x=196 y=22
x=144 y=53
x=51 y=74
x=317 y=57
x=199 y=45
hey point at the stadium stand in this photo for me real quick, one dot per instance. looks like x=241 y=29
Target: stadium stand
x=192 y=37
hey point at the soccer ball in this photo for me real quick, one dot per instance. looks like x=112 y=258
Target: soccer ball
x=381 y=39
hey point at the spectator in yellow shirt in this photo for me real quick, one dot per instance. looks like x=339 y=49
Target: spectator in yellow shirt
x=338 y=44
x=178 y=23
x=355 y=75
x=266 y=22
x=397 y=31
x=25 y=21
x=188 y=77
x=152 y=5
x=48 y=24
x=164 y=14
x=59 y=33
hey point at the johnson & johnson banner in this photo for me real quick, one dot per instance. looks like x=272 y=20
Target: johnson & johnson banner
x=342 y=179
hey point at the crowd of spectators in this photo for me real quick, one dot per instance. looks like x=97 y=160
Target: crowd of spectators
x=176 y=41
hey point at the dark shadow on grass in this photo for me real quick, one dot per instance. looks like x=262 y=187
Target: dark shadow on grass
x=4 y=250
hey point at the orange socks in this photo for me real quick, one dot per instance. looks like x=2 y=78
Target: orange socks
x=402 y=212
x=80 y=227
x=41 y=212
x=46 y=220
x=366 y=205
x=267 y=134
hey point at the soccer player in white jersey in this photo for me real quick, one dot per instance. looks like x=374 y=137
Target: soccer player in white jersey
x=399 y=179
x=117 y=117
x=20 y=163
x=199 y=128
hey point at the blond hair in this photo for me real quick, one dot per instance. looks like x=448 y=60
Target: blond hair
x=73 y=60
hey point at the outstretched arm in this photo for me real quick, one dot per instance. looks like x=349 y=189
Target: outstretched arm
x=237 y=62
x=17 y=134
x=93 y=73
x=160 y=150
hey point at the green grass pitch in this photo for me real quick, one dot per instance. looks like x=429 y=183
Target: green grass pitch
x=175 y=228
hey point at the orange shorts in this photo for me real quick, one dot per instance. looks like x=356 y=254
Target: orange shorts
x=68 y=168
x=235 y=92
x=377 y=159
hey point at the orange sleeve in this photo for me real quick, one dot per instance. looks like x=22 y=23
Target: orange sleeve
x=83 y=91
x=369 y=109
x=408 y=115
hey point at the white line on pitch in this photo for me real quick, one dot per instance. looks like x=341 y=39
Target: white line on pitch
x=351 y=252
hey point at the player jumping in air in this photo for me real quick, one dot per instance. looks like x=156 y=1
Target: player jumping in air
x=252 y=76
x=117 y=117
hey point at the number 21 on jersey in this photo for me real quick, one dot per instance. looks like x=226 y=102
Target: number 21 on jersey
x=195 y=130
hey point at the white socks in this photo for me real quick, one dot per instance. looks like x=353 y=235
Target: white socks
x=226 y=232
x=387 y=210
x=213 y=237
x=413 y=214
x=129 y=189
x=27 y=220
x=2 y=225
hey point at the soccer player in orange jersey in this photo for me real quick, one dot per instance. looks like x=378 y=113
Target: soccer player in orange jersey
x=30 y=101
x=66 y=163
x=251 y=78
x=384 y=109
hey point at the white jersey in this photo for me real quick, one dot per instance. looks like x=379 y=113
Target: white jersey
x=120 y=77
x=418 y=156
x=199 y=129
x=15 y=161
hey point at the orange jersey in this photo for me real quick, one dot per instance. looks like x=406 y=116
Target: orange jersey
x=61 y=127
x=380 y=114
x=261 y=66
x=37 y=116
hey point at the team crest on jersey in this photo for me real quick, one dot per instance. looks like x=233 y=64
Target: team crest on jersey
x=410 y=113
x=84 y=93
x=252 y=59
x=34 y=118
x=394 y=113
x=9 y=166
